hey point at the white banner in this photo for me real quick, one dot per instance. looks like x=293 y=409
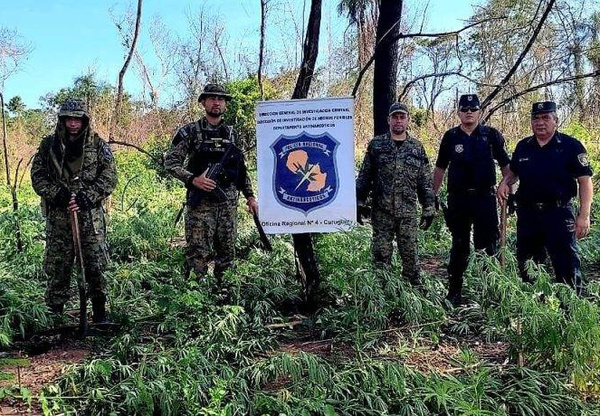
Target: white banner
x=305 y=154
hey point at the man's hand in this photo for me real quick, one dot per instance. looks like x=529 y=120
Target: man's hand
x=252 y=205
x=582 y=225
x=203 y=183
x=426 y=221
x=81 y=201
x=73 y=207
x=503 y=193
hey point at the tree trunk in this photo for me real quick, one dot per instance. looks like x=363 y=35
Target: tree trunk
x=579 y=84
x=12 y=187
x=386 y=63
x=119 y=99
x=261 y=48
x=308 y=271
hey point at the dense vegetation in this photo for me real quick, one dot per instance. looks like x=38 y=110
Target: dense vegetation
x=376 y=346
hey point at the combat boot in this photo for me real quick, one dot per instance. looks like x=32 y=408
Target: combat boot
x=454 y=295
x=57 y=309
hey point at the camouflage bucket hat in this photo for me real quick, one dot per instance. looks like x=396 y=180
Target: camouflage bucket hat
x=214 y=90
x=73 y=107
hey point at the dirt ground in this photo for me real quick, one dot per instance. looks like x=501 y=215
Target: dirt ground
x=42 y=370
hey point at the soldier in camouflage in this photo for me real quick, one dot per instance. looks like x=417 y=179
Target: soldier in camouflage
x=211 y=204
x=74 y=170
x=396 y=172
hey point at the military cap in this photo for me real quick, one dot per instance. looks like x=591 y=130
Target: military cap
x=468 y=101
x=73 y=107
x=398 y=108
x=543 y=107
x=214 y=90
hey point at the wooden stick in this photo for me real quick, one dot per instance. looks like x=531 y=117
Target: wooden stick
x=503 y=225
x=81 y=278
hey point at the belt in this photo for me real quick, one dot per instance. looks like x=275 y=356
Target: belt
x=542 y=206
x=474 y=192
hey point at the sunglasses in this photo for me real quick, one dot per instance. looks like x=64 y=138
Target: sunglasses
x=469 y=109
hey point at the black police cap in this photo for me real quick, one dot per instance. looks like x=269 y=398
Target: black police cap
x=468 y=101
x=543 y=107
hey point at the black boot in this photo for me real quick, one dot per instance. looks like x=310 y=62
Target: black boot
x=57 y=309
x=99 y=311
x=454 y=295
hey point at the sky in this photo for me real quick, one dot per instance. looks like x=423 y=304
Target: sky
x=70 y=38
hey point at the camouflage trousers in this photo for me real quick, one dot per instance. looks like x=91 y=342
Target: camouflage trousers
x=386 y=229
x=60 y=254
x=210 y=233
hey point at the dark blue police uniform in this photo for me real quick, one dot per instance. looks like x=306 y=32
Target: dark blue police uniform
x=545 y=215
x=471 y=193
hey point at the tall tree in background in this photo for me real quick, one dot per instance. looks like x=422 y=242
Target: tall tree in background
x=119 y=98
x=593 y=55
x=386 y=62
x=16 y=105
x=363 y=14
x=307 y=266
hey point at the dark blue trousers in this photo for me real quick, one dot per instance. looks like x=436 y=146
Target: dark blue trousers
x=466 y=212
x=551 y=230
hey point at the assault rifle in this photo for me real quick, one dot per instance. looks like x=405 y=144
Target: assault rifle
x=212 y=172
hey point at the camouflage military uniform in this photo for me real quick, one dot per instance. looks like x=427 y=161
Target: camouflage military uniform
x=396 y=175
x=210 y=224
x=61 y=168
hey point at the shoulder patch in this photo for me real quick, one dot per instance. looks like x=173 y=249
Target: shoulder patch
x=106 y=153
x=583 y=159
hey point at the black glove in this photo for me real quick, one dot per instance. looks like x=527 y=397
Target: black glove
x=362 y=210
x=62 y=198
x=83 y=201
x=511 y=204
x=426 y=221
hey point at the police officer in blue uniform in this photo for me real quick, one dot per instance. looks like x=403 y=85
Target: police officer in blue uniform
x=468 y=152
x=552 y=168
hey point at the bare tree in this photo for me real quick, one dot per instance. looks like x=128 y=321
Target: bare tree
x=119 y=98
x=163 y=48
x=261 y=48
x=521 y=56
x=13 y=52
x=13 y=186
x=201 y=56
x=362 y=14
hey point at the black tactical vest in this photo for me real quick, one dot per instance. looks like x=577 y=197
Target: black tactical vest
x=208 y=148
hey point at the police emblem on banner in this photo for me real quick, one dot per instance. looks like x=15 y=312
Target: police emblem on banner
x=305 y=173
